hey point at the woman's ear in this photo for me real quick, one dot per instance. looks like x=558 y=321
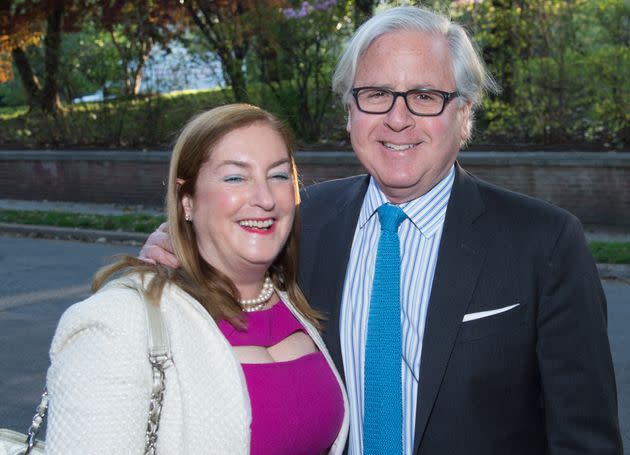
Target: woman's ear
x=187 y=204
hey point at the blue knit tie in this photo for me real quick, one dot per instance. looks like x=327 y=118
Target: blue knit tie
x=382 y=417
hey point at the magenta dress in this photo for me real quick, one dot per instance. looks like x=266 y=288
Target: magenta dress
x=297 y=405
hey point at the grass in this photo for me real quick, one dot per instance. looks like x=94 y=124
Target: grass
x=603 y=252
x=127 y=222
x=7 y=113
x=611 y=252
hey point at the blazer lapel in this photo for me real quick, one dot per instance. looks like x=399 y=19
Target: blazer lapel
x=462 y=252
x=334 y=242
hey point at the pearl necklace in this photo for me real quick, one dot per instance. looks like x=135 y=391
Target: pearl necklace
x=257 y=304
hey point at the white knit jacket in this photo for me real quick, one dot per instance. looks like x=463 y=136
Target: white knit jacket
x=100 y=379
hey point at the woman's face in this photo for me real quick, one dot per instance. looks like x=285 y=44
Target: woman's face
x=244 y=202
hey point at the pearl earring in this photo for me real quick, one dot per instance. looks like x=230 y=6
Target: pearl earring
x=188 y=217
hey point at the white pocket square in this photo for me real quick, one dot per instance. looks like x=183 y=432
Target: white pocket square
x=485 y=314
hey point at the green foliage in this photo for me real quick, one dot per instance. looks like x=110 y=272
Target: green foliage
x=11 y=93
x=146 y=122
x=88 y=63
x=610 y=252
x=125 y=223
x=295 y=58
x=9 y=112
x=498 y=121
x=564 y=68
x=134 y=27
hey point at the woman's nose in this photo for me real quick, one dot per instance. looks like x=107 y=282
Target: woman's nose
x=262 y=195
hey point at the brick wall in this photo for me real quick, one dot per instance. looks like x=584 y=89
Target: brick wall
x=85 y=176
x=594 y=186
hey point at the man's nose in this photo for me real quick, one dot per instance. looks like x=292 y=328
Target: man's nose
x=399 y=117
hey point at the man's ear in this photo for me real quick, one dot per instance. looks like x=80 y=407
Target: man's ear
x=466 y=112
x=349 y=119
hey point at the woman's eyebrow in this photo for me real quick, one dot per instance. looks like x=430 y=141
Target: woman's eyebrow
x=233 y=163
x=244 y=164
x=279 y=162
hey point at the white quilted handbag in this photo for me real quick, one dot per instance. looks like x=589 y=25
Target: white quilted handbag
x=15 y=443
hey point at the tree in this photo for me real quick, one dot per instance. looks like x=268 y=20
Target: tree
x=89 y=63
x=563 y=66
x=17 y=31
x=30 y=22
x=226 y=27
x=295 y=56
x=135 y=27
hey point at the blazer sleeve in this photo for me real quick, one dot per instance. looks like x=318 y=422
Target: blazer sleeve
x=99 y=380
x=578 y=381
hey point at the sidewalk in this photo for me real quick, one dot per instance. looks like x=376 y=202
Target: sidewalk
x=592 y=232
x=76 y=207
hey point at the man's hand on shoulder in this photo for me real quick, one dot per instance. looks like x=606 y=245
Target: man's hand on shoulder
x=159 y=249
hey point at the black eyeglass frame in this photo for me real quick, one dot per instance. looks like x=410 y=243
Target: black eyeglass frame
x=446 y=96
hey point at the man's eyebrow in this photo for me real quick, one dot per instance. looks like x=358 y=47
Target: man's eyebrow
x=426 y=86
x=419 y=86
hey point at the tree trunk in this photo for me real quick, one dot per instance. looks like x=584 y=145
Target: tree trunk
x=239 y=85
x=233 y=69
x=137 y=75
x=124 y=62
x=27 y=76
x=50 y=101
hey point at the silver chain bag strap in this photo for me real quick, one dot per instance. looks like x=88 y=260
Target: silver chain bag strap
x=160 y=357
x=15 y=443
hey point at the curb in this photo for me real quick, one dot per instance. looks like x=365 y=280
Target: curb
x=606 y=271
x=614 y=271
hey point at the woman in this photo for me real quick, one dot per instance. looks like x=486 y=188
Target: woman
x=249 y=373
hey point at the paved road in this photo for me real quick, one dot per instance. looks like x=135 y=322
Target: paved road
x=40 y=278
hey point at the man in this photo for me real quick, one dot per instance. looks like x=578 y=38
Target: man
x=503 y=340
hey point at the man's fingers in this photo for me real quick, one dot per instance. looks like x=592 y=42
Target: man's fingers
x=159 y=249
x=161 y=240
x=154 y=254
x=164 y=257
x=152 y=241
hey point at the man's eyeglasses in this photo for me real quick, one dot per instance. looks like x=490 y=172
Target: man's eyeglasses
x=420 y=101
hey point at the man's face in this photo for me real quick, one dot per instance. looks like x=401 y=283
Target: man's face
x=405 y=153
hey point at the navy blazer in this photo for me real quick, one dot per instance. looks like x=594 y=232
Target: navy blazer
x=537 y=379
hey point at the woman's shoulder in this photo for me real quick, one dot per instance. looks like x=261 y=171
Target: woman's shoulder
x=113 y=295
x=116 y=308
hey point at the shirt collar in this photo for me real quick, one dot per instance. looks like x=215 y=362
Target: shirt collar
x=426 y=212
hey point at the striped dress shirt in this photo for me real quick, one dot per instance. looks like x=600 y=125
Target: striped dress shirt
x=420 y=237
